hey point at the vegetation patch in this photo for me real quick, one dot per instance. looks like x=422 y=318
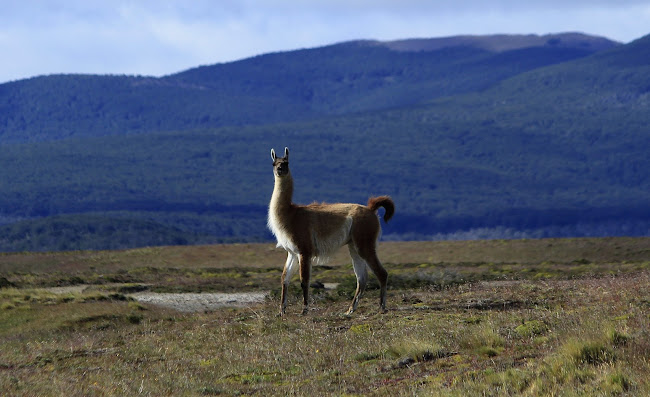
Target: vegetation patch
x=618 y=339
x=591 y=352
x=531 y=328
x=410 y=352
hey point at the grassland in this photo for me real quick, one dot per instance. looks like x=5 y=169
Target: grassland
x=527 y=317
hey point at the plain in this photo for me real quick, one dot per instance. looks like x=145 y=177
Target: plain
x=498 y=317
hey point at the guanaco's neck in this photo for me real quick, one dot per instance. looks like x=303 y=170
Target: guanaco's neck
x=280 y=211
x=282 y=194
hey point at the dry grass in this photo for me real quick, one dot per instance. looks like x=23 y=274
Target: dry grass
x=591 y=250
x=497 y=329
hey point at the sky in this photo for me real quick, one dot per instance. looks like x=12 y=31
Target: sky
x=160 y=37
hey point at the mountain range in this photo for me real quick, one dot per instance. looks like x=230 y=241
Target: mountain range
x=473 y=137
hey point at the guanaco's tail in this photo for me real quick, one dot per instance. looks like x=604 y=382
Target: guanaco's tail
x=382 y=201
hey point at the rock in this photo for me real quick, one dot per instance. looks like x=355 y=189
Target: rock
x=405 y=362
x=4 y=283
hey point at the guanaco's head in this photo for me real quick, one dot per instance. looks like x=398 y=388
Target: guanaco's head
x=280 y=164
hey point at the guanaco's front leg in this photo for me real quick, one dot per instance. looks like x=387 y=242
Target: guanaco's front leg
x=305 y=270
x=290 y=268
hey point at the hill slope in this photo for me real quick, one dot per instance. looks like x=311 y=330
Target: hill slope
x=83 y=232
x=558 y=150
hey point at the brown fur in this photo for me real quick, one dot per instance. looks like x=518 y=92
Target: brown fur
x=382 y=201
x=316 y=230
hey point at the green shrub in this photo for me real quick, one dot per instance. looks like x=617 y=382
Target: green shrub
x=618 y=339
x=594 y=353
x=531 y=328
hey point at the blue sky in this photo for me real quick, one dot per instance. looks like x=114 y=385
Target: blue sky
x=155 y=38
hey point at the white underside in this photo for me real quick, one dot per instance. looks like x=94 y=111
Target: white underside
x=281 y=234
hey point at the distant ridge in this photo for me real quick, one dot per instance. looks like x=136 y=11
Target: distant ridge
x=504 y=42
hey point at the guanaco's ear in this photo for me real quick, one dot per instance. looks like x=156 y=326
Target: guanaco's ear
x=273 y=156
x=286 y=153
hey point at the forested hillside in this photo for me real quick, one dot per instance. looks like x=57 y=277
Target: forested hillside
x=280 y=87
x=471 y=142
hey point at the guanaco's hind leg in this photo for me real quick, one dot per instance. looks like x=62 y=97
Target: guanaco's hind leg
x=361 y=271
x=382 y=276
x=364 y=242
x=290 y=268
x=369 y=255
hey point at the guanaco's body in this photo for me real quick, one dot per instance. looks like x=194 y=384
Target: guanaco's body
x=313 y=231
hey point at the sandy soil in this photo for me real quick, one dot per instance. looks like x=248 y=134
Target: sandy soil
x=195 y=302
x=184 y=302
x=71 y=289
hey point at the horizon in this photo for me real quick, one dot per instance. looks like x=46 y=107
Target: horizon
x=320 y=46
x=168 y=36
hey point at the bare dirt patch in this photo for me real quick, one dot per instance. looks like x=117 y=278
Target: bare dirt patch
x=185 y=302
x=70 y=289
x=197 y=302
